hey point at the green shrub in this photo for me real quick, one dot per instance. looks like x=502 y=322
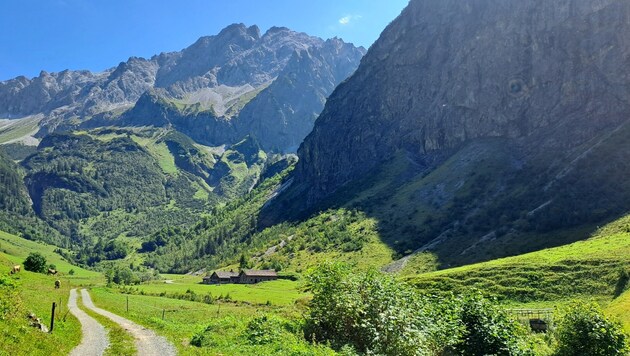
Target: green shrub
x=35 y=262
x=264 y=329
x=372 y=313
x=203 y=338
x=488 y=330
x=583 y=329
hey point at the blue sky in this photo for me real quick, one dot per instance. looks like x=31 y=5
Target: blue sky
x=54 y=35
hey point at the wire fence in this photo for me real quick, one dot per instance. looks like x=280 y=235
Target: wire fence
x=139 y=304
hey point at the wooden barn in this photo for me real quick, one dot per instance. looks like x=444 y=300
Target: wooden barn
x=221 y=277
x=250 y=276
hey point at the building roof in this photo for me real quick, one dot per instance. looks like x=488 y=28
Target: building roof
x=225 y=274
x=260 y=273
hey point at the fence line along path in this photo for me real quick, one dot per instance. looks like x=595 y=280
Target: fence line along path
x=94 y=340
x=148 y=343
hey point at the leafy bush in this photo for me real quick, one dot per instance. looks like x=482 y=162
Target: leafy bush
x=585 y=330
x=372 y=313
x=203 y=338
x=488 y=330
x=35 y=262
x=264 y=329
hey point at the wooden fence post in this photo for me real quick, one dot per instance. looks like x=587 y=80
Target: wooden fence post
x=127 y=304
x=52 y=317
x=163 y=311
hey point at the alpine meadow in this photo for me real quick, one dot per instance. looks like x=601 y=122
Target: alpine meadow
x=460 y=187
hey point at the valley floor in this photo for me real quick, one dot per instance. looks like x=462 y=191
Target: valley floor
x=200 y=319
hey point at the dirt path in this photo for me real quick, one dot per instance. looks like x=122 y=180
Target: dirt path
x=147 y=342
x=94 y=340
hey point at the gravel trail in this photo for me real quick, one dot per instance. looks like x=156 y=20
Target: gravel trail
x=147 y=342
x=94 y=340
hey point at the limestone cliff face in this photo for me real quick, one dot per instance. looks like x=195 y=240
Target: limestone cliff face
x=546 y=75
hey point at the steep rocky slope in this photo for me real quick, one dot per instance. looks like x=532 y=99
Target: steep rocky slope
x=468 y=126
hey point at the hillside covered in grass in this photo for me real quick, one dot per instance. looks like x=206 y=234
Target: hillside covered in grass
x=594 y=268
x=28 y=292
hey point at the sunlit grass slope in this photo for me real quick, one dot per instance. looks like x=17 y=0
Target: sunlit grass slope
x=590 y=268
x=621 y=308
x=15 y=249
x=26 y=293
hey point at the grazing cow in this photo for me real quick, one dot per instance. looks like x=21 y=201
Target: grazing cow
x=57 y=284
x=52 y=271
x=15 y=269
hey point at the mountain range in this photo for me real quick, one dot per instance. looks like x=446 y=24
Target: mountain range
x=220 y=89
x=156 y=143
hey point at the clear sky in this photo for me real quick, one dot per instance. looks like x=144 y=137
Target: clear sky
x=54 y=35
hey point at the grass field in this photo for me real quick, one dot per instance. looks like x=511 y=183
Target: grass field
x=226 y=323
x=589 y=269
x=159 y=151
x=280 y=292
x=15 y=249
x=35 y=294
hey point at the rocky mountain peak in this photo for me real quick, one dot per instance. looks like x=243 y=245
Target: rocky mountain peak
x=274 y=30
x=236 y=32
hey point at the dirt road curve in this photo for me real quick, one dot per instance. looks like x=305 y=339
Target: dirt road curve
x=94 y=341
x=147 y=342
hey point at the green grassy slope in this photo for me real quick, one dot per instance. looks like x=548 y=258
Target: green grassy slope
x=15 y=249
x=35 y=293
x=590 y=268
x=28 y=292
x=621 y=308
